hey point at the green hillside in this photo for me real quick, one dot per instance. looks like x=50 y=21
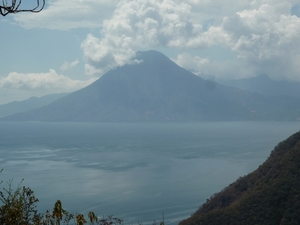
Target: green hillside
x=268 y=196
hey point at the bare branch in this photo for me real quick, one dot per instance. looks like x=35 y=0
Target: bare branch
x=13 y=6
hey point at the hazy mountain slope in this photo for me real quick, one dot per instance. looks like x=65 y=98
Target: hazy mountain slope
x=28 y=104
x=269 y=195
x=159 y=90
x=265 y=86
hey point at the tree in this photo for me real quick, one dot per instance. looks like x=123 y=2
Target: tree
x=13 y=6
x=18 y=206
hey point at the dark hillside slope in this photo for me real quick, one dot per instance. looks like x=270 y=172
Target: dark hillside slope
x=268 y=196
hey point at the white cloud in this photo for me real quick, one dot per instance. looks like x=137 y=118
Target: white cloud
x=267 y=38
x=69 y=65
x=230 y=69
x=20 y=86
x=47 y=82
x=191 y=62
x=212 y=69
x=66 y=15
x=103 y=55
x=254 y=30
x=137 y=25
x=264 y=34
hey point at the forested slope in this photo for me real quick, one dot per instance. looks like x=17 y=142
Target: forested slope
x=268 y=196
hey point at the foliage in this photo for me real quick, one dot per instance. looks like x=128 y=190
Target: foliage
x=58 y=215
x=80 y=219
x=93 y=217
x=18 y=206
x=269 y=195
x=110 y=220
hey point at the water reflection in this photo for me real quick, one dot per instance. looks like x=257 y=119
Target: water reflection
x=134 y=171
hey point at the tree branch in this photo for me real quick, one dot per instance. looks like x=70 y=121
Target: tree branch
x=12 y=6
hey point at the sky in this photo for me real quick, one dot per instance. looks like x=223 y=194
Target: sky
x=70 y=44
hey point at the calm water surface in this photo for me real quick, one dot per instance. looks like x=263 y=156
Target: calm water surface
x=134 y=171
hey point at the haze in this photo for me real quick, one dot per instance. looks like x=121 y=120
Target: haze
x=70 y=44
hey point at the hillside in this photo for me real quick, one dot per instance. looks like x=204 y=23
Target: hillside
x=156 y=90
x=265 y=86
x=268 y=196
x=28 y=104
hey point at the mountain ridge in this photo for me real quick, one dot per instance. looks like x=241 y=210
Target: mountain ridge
x=265 y=86
x=158 y=90
x=28 y=104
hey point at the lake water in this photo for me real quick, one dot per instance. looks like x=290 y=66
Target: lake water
x=134 y=171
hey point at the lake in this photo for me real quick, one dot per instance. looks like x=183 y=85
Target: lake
x=134 y=171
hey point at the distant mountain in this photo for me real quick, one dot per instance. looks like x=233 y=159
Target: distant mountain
x=265 y=86
x=270 y=195
x=156 y=89
x=28 y=104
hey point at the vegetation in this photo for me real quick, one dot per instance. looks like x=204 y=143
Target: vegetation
x=268 y=196
x=19 y=207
